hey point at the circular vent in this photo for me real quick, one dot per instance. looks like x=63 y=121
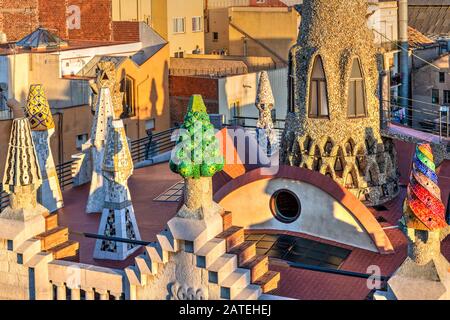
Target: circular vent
x=285 y=206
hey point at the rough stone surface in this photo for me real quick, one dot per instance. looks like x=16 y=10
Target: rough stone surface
x=349 y=150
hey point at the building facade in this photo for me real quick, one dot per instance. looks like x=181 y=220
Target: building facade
x=180 y=22
x=70 y=19
x=68 y=91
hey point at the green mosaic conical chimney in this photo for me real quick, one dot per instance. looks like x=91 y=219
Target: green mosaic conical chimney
x=197 y=152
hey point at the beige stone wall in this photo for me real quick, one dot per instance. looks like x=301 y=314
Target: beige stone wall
x=180 y=268
x=14 y=278
x=276 y=28
x=328 y=31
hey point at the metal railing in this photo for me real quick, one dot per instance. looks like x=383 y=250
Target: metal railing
x=4 y=198
x=146 y=148
x=64 y=171
x=425 y=117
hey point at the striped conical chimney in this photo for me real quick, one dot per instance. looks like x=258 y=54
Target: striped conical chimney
x=423 y=207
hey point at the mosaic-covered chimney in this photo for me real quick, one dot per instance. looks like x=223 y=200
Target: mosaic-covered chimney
x=265 y=103
x=104 y=113
x=424 y=212
x=42 y=129
x=22 y=176
x=118 y=219
x=333 y=123
x=197 y=158
x=424 y=275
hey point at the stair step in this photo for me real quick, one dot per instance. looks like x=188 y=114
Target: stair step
x=234 y=283
x=51 y=222
x=145 y=266
x=221 y=268
x=156 y=253
x=53 y=238
x=28 y=249
x=252 y=292
x=167 y=241
x=234 y=236
x=257 y=265
x=65 y=250
x=210 y=252
x=227 y=217
x=269 y=281
x=132 y=275
x=244 y=251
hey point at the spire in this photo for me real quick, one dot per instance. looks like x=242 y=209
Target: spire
x=264 y=95
x=38 y=110
x=118 y=219
x=22 y=175
x=22 y=167
x=42 y=125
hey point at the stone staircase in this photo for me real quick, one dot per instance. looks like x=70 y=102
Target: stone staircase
x=55 y=240
x=231 y=262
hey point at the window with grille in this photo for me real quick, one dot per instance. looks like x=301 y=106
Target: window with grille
x=318 y=95
x=299 y=250
x=196 y=24
x=179 y=25
x=356 y=92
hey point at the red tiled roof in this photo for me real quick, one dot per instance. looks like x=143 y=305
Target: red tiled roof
x=145 y=185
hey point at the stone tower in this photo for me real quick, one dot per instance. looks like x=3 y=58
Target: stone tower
x=118 y=219
x=106 y=100
x=333 y=123
x=425 y=272
x=42 y=126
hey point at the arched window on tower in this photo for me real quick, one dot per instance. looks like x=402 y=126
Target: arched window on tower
x=318 y=95
x=356 y=92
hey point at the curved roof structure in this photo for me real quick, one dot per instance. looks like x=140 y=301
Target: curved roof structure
x=359 y=211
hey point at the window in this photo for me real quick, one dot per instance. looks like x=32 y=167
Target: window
x=447 y=97
x=299 y=250
x=127 y=87
x=81 y=139
x=285 y=206
x=435 y=96
x=196 y=24
x=356 y=92
x=318 y=96
x=215 y=36
x=179 y=54
x=441 y=77
x=179 y=25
